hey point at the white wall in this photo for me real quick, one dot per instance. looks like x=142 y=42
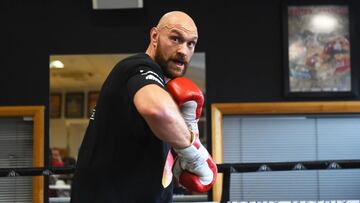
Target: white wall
x=67 y=134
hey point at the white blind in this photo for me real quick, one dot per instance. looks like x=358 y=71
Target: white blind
x=339 y=139
x=282 y=139
x=16 y=150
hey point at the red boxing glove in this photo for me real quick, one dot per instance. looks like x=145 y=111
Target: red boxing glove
x=189 y=98
x=194 y=168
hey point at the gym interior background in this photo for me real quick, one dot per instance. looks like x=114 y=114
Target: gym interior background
x=242 y=41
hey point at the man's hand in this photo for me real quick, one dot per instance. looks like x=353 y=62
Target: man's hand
x=190 y=100
x=194 y=167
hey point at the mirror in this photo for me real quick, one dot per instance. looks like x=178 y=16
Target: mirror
x=75 y=81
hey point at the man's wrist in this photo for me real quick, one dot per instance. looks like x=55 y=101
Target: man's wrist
x=190 y=142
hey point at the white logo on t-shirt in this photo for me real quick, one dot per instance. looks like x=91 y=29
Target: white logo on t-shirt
x=151 y=77
x=92 y=116
x=152 y=73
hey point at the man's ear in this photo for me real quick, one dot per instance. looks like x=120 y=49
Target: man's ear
x=154 y=35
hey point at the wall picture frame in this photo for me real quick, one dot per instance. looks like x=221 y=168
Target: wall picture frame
x=92 y=100
x=74 y=105
x=55 y=105
x=318 y=51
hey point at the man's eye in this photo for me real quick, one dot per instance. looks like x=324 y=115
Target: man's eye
x=175 y=39
x=191 y=44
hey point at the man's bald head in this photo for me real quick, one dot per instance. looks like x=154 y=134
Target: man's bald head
x=173 y=43
x=177 y=19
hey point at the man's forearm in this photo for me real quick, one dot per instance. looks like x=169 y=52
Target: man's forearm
x=162 y=115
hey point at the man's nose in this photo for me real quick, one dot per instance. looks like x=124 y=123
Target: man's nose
x=182 y=50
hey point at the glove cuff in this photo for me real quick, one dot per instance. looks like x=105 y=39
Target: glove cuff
x=190 y=151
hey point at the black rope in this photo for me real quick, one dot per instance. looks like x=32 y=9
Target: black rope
x=288 y=166
x=222 y=168
x=35 y=171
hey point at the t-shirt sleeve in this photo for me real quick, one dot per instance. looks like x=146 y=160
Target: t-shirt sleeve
x=141 y=77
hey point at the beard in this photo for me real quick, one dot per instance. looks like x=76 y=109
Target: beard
x=165 y=65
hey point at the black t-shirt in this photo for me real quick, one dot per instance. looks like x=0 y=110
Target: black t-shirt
x=120 y=159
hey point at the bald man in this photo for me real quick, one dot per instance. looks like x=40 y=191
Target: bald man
x=135 y=122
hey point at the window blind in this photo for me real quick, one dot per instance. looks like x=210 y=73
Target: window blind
x=293 y=138
x=16 y=150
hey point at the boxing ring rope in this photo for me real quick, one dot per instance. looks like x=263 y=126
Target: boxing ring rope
x=226 y=169
x=36 y=171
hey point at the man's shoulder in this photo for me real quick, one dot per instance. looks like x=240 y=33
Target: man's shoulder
x=139 y=60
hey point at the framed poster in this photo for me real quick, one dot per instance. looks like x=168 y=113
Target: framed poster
x=92 y=99
x=74 y=105
x=317 y=49
x=55 y=105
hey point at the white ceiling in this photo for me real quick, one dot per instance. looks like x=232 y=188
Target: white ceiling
x=88 y=72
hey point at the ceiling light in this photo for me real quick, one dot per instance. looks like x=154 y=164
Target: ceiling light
x=56 y=64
